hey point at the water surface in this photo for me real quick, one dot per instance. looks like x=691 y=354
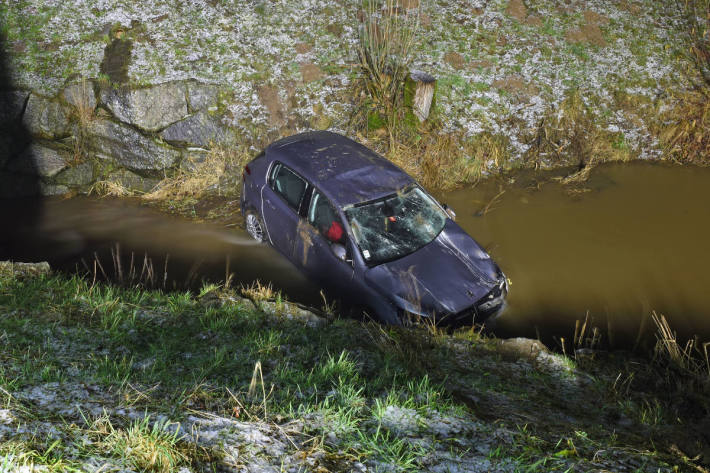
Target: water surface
x=634 y=239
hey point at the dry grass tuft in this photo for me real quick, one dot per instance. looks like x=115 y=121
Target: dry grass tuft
x=109 y=189
x=571 y=135
x=257 y=291
x=445 y=160
x=685 y=129
x=695 y=16
x=202 y=177
x=691 y=358
x=83 y=113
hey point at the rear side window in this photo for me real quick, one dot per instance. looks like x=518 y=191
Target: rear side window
x=288 y=185
x=322 y=215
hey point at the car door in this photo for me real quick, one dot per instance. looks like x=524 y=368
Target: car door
x=282 y=199
x=314 y=249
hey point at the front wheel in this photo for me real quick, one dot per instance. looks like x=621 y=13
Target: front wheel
x=255 y=227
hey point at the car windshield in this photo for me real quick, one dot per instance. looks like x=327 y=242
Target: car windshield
x=395 y=226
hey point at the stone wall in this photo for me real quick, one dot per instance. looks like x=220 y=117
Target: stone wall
x=91 y=131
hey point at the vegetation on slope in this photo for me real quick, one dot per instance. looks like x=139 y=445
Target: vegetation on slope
x=94 y=376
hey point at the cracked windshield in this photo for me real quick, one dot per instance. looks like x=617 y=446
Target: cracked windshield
x=395 y=226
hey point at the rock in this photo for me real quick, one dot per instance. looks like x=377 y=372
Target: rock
x=201 y=130
x=192 y=158
x=6 y=417
x=11 y=105
x=80 y=96
x=401 y=420
x=52 y=189
x=201 y=96
x=133 y=182
x=310 y=72
x=454 y=60
x=76 y=176
x=127 y=147
x=38 y=160
x=517 y=348
x=151 y=108
x=45 y=118
x=517 y=9
x=10 y=268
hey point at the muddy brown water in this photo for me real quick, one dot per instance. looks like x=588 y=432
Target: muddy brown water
x=633 y=240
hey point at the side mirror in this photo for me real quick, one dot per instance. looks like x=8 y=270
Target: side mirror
x=339 y=251
x=450 y=211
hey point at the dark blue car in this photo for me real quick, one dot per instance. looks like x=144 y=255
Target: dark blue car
x=365 y=230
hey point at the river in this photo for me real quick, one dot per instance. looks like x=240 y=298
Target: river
x=631 y=240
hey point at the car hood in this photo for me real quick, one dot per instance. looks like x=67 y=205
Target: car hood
x=446 y=276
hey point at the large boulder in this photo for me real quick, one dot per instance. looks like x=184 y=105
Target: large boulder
x=49 y=189
x=80 y=175
x=45 y=118
x=151 y=108
x=38 y=160
x=201 y=96
x=200 y=130
x=129 y=148
x=11 y=104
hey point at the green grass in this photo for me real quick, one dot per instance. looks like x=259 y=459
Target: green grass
x=172 y=355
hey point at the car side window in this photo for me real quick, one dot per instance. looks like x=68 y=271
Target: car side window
x=289 y=185
x=322 y=215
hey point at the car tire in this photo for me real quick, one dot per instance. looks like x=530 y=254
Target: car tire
x=255 y=226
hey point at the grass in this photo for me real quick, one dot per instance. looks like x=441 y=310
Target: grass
x=148 y=360
x=198 y=178
x=83 y=115
x=572 y=135
x=148 y=446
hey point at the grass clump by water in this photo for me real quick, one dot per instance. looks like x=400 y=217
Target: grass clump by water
x=571 y=135
x=211 y=381
x=204 y=175
x=684 y=125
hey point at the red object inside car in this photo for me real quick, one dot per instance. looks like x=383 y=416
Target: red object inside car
x=335 y=232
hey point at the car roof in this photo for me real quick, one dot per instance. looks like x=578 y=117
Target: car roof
x=344 y=170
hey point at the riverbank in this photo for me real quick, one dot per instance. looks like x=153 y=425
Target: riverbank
x=117 y=98
x=95 y=376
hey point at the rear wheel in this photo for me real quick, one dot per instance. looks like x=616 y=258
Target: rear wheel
x=254 y=226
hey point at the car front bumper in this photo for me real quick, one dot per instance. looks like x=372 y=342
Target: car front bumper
x=485 y=309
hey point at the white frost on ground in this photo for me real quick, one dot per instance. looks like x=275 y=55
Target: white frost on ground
x=247 y=44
